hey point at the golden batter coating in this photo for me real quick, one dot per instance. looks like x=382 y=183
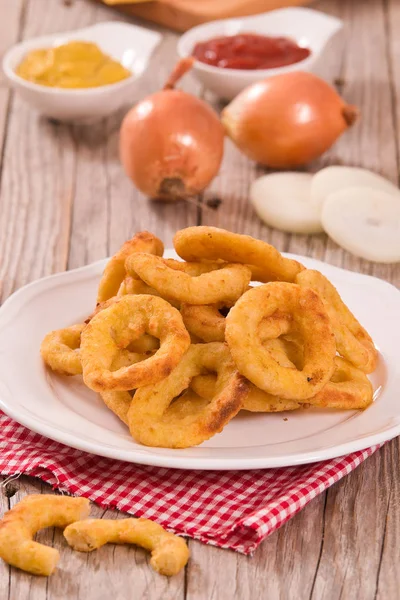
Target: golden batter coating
x=35 y=512
x=116 y=327
x=169 y=553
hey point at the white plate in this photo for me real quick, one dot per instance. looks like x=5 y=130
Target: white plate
x=62 y=409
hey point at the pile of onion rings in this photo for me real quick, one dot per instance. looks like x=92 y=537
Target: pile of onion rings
x=176 y=349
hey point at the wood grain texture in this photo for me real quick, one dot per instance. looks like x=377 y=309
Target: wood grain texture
x=65 y=200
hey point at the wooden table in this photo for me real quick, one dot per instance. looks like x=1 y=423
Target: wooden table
x=65 y=202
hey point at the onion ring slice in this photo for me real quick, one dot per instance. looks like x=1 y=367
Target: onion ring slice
x=220 y=283
x=211 y=243
x=204 y=321
x=114 y=273
x=116 y=327
x=60 y=350
x=348 y=389
x=150 y=420
x=352 y=340
x=295 y=309
x=256 y=401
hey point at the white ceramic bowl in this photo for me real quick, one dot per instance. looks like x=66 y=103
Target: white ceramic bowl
x=130 y=45
x=307 y=27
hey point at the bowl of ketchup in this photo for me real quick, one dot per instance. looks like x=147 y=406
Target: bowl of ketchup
x=234 y=53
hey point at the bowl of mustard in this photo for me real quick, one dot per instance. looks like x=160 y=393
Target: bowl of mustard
x=83 y=74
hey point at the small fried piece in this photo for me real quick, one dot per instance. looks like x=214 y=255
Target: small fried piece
x=348 y=389
x=283 y=308
x=211 y=243
x=20 y=524
x=153 y=424
x=115 y=272
x=60 y=350
x=169 y=553
x=116 y=327
x=187 y=282
x=352 y=340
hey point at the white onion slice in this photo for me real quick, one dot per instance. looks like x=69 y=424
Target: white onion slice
x=365 y=222
x=332 y=179
x=282 y=200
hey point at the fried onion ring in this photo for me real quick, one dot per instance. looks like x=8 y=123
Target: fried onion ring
x=352 y=340
x=34 y=512
x=169 y=553
x=256 y=401
x=220 y=283
x=143 y=345
x=130 y=285
x=295 y=309
x=152 y=423
x=204 y=321
x=60 y=350
x=348 y=389
x=116 y=327
x=211 y=243
x=115 y=272
x=118 y=402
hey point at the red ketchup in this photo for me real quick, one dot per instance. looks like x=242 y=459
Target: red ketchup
x=250 y=51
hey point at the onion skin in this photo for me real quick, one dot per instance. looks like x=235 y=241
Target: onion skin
x=287 y=120
x=171 y=145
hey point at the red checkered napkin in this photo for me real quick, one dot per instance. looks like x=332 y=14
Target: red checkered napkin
x=230 y=509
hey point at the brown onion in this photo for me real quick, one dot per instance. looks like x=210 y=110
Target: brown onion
x=171 y=143
x=287 y=120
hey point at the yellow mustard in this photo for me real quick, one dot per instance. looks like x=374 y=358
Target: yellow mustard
x=72 y=65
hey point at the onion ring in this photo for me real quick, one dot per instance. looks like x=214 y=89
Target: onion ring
x=34 y=512
x=114 y=273
x=115 y=327
x=352 y=340
x=300 y=310
x=348 y=389
x=211 y=243
x=131 y=285
x=169 y=553
x=150 y=420
x=204 y=321
x=256 y=401
x=60 y=350
x=221 y=283
x=118 y=402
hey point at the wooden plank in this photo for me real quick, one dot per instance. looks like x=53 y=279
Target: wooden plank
x=10 y=25
x=11 y=14
x=37 y=186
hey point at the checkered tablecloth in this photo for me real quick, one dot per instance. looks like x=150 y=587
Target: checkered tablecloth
x=229 y=509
